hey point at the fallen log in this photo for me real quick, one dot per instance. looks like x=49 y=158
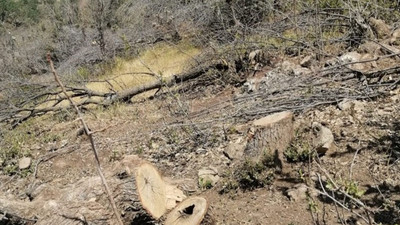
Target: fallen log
x=84 y=96
x=140 y=193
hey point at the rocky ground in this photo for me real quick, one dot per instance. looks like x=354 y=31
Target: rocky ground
x=339 y=155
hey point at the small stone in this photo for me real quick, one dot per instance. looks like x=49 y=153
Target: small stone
x=208 y=177
x=234 y=150
x=298 y=193
x=24 y=163
x=324 y=140
x=306 y=62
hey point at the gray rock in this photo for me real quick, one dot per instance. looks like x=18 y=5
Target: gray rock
x=324 y=140
x=24 y=163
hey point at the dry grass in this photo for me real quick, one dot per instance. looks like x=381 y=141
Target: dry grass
x=163 y=59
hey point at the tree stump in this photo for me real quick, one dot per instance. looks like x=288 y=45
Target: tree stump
x=270 y=135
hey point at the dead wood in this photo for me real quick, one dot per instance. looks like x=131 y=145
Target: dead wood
x=270 y=135
x=140 y=193
x=190 y=212
x=83 y=96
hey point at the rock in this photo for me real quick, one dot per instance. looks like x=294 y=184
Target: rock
x=380 y=28
x=270 y=135
x=348 y=104
x=234 y=150
x=24 y=163
x=324 y=140
x=208 y=177
x=306 y=62
x=300 y=192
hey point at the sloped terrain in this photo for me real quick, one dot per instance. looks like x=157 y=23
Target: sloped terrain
x=286 y=129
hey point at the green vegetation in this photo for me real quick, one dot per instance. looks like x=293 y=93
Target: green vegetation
x=251 y=174
x=19 y=12
x=300 y=149
x=205 y=183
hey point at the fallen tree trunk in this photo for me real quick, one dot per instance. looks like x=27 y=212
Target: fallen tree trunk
x=137 y=187
x=84 y=96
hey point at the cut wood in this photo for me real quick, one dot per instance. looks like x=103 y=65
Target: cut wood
x=270 y=135
x=151 y=189
x=137 y=187
x=189 y=212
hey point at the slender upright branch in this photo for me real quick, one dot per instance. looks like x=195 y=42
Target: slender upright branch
x=90 y=135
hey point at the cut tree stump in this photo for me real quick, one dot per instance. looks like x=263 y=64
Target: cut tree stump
x=270 y=135
x=140 y=193
x=189 y=212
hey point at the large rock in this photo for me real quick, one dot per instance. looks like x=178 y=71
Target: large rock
x=380 y=28
x=323 y=140
x=270 y=135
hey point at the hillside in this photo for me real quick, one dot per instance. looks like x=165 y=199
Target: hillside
x=199 y=112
